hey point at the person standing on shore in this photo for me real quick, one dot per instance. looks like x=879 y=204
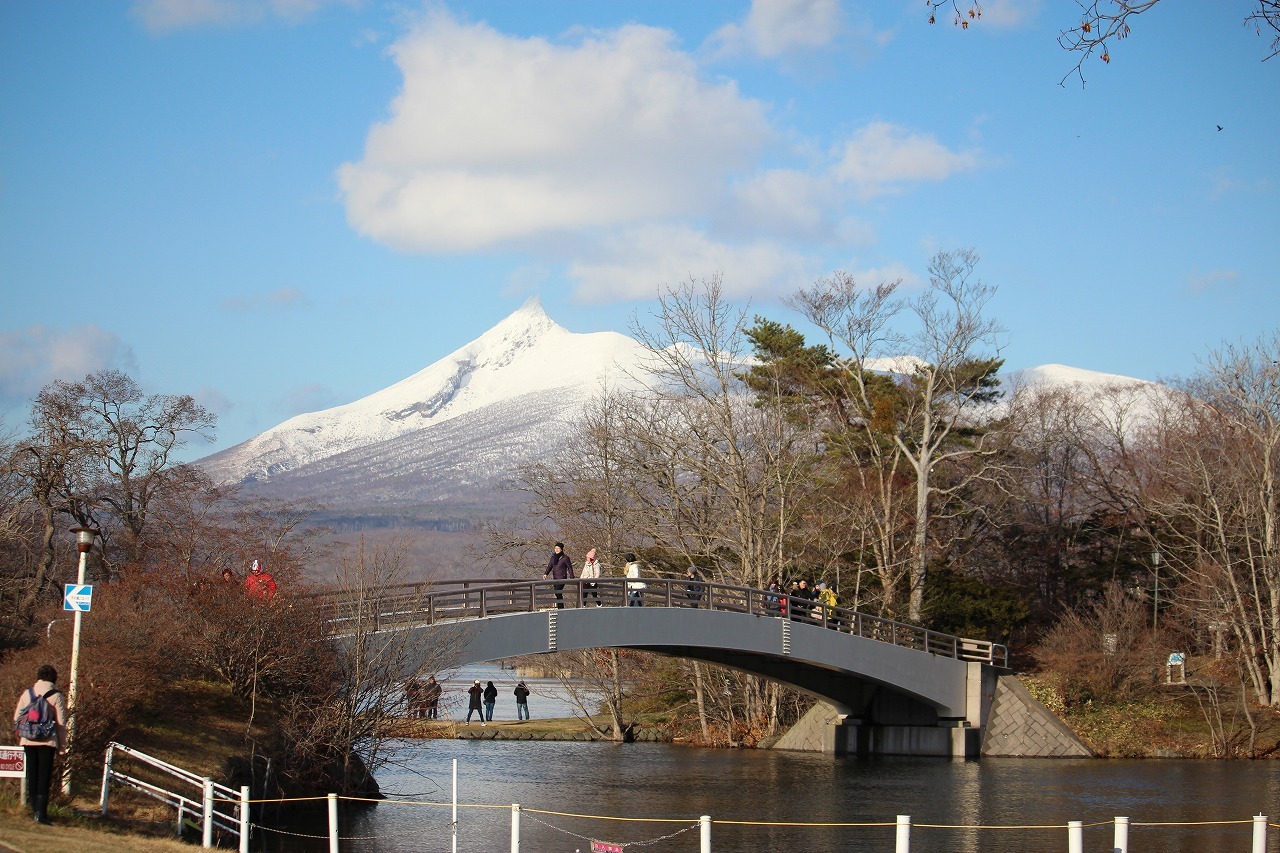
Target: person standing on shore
x=41 y=719
x=490 y=699
x=431 y=697
x=559 y=567
x=476 y=693
x=522 y=701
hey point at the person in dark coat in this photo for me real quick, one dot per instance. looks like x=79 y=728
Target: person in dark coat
x=431 y=698
x=476 y=692
x=490 y=699
x=559 y=567
x=693 y=588
x=413 y=698
x=522 y=701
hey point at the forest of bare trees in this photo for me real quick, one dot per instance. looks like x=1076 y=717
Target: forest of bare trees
x=885 y=457
x=889 y=461
x=170 y=607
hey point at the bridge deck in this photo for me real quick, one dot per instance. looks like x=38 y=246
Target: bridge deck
x=408 y=605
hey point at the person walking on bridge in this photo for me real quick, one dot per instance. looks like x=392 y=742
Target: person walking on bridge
x=559 y=567
x=635 y=586
x=590 y=574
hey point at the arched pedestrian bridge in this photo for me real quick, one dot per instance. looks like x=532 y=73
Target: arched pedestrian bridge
x=899 y=689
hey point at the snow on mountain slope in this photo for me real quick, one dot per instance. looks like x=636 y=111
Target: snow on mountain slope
x=1061 y=374
x=524 y=354
x=454 y=433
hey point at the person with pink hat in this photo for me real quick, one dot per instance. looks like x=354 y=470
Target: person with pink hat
x=590 y=574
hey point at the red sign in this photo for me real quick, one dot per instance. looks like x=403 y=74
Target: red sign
x=12 y=762
x=605 y=847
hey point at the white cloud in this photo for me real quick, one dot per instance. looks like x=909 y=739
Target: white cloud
x=776 y=27
x=874 y=276
x=496 y=139
x=1009 y=13
x=165 y=16
x=280 y=299
x=1199 y=282
x=214 y=400
x=313 y=397
x=638 y=263
x=33 y=357
x=881 y=157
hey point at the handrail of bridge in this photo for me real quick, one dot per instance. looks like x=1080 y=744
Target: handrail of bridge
x=402 y=605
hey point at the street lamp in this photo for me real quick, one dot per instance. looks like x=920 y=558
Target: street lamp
x=1155 y=590
x=84 y=544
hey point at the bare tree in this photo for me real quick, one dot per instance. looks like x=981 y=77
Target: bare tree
x=931 y=421
x=133 y=437
x=1105 y=22
x=731 y=470
x=1218 y=508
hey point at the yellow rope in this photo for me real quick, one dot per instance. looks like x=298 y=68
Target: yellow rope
x=777 y=823
x=869 y=824
x=606 y=817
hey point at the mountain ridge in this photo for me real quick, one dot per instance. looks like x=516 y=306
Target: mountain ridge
x=456 y=431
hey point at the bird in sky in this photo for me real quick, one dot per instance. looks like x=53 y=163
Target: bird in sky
x=1219 y=127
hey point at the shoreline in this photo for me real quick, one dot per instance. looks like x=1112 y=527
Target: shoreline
x=552 y=729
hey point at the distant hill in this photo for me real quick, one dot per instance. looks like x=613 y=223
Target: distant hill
x=439 y=450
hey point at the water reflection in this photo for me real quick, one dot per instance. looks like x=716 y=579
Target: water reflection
x=663 y=781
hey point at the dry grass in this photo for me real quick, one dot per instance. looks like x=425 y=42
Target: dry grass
x=19 y=833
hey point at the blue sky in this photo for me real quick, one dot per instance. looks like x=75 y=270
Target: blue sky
x=283 y=206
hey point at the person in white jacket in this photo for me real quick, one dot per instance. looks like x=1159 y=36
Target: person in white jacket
x=635 y=588
x=590 y=574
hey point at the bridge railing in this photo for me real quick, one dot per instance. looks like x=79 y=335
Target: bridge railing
x=448 y=601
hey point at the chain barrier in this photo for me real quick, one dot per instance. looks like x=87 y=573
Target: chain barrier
x=624 y=844
x=531 y=815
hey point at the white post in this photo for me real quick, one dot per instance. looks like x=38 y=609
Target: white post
x=515 y=828
x=902 y=838
x=84 y=542
x=244 y=819
x=1120 y=841
x=333 y=823
x=1260 y=833
x=1075 y=836
x=704 y=833
x=106 y=777
x=207 y=837
x=455 y=805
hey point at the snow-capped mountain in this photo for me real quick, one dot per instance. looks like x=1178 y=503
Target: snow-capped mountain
x=527 y=367
x=452 y=435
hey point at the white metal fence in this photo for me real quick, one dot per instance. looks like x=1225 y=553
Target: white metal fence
x=199 y=806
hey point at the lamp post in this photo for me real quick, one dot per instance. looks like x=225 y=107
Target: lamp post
x=84 y=544
x=1155 y=590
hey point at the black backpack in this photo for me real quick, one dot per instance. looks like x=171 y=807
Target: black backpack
x=37 y=720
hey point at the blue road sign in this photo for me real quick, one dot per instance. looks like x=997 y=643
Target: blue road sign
x=77 y=597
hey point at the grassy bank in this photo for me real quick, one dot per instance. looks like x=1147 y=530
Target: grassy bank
x=197 y=728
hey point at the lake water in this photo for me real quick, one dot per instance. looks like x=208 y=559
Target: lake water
x=681 y=783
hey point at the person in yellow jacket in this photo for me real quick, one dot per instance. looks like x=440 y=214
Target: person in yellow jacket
x=827 y=598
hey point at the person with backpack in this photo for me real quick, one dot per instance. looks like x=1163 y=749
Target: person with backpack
x=40 y=723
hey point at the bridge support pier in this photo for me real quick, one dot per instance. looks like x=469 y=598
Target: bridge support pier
x=855 y=737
